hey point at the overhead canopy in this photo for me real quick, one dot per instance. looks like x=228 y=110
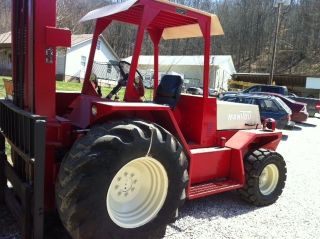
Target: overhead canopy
x=192 y=30
x=176 y=24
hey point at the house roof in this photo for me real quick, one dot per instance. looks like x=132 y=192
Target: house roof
x=223 y=61
x=77 y=39
x=5 y=40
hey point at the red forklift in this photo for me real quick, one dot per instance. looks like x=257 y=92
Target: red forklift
x=109 y=169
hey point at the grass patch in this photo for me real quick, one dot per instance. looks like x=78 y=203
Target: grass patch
x=2 y=90
x=71 y=86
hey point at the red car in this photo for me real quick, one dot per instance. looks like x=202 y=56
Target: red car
x=299 y=109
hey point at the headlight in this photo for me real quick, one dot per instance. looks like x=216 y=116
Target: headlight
x=94 y=110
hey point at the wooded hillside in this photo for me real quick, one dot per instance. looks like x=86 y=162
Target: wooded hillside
x=249 y=26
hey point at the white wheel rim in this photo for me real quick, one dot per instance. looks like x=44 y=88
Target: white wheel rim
x=137 y=192
x=268 y=179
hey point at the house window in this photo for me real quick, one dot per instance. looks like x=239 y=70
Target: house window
x=83 y=61
x=98 y=44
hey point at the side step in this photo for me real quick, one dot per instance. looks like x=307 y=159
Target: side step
x=205 y=189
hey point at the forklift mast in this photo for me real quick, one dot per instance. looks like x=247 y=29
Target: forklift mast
x=29 y=124
x=34 y=41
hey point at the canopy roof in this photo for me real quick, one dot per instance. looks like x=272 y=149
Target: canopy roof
x=177 y=21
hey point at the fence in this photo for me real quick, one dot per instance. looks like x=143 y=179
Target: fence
x=106 y=72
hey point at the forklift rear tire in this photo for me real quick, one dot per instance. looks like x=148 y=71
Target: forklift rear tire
x=265 y=177
x=122 y=180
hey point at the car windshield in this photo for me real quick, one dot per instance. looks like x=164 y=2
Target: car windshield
x=252 y=89
x=283 y=105
x=230 y=99
x=275 y=89
x=192 y=89
x=246 y=100
x=271 y=106
x=290 y=100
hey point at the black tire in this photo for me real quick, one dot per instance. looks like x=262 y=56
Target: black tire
x=255 y=162
x=312 y=113
x=87 y=171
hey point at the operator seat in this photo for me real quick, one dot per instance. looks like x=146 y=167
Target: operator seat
x=169 y=90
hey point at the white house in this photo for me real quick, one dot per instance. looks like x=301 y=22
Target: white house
x=191 y=67
x=72 y=62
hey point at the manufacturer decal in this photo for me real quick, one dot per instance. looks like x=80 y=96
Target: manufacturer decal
x=242 y=115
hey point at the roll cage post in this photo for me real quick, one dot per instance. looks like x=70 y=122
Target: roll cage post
x=88 y=88
x=155 y=37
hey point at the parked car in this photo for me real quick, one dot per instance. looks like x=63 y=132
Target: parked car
x=313 y=104
x=267 y=88
x=269 y=107
x=195 y=91
x=213 y=92
x=199 y=91
x=299 y=109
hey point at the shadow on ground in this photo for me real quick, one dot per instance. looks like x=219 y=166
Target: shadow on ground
x=304 y=124
x=295 y=128
x=8 y=225
x=224 y=205
x=10 y=230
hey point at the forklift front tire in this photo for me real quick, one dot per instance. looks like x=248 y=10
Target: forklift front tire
x=122 y=180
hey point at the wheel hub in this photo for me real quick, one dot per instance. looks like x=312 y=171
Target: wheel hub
x=125 y=185
x=268 y=179
x=137 y=192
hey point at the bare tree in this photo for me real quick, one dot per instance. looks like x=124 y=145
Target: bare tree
x=5 y=16
x=248 y=26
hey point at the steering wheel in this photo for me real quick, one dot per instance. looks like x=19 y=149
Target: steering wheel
x=124 y=68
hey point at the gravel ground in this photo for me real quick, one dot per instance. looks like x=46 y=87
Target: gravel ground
x=295 y=215
x=8 y=227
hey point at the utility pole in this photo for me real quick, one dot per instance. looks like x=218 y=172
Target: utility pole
x=278 y=4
